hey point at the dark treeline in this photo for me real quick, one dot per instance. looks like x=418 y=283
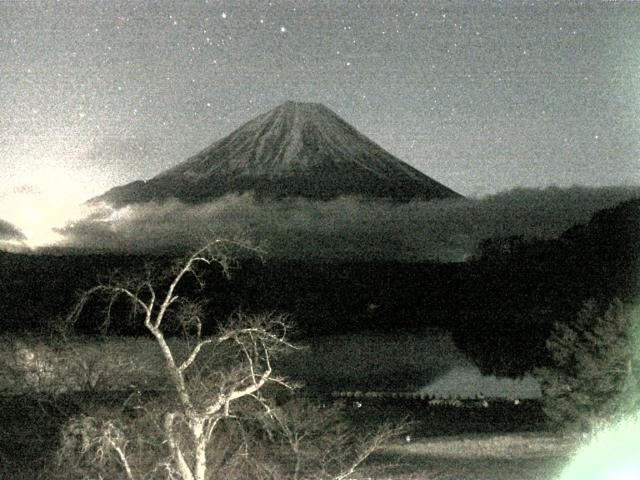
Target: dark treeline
x=522 y=287
x=499 y=306
x=322 y=298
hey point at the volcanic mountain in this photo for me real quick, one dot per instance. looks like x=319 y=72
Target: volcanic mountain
x=294 y=150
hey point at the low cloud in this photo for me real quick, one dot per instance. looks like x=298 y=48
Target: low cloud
x=11 y=238
x=26 y=189
x=9 y=232
x=345 y=228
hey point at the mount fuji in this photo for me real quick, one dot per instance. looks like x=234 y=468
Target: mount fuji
x=295 y=150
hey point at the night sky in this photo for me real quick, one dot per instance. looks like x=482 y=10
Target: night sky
x=481 y=96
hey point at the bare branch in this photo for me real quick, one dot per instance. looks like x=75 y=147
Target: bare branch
x=239 y=365
x=123 y=459
x=193 y=355
x=382 y=436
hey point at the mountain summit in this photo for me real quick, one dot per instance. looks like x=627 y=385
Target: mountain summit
x=294 y=150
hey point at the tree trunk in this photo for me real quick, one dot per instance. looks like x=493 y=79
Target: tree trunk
x=200 y=441
x=176 y=452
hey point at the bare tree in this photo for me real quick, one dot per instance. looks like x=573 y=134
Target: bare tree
x=210 y=380
x=320 y=442
x=257 y=338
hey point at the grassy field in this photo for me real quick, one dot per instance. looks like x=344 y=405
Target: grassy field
x=514 y=456
x=429 y=362
x=44 y=384
x=500 y=442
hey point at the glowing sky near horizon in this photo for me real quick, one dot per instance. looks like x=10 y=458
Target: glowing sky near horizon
x=481 y=96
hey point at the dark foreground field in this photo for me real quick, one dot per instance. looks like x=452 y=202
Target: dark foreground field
x=528 y=456
x=501 y=441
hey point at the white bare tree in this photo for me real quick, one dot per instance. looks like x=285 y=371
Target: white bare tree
x=199 y=409
x=210 y=379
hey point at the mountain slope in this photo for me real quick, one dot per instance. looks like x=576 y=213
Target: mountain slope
x=296 y=149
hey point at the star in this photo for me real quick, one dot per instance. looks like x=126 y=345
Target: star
x=478 y=74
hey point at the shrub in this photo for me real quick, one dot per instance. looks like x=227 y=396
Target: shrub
x=59 y=364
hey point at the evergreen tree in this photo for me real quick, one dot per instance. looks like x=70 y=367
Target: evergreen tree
x=595 y=376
